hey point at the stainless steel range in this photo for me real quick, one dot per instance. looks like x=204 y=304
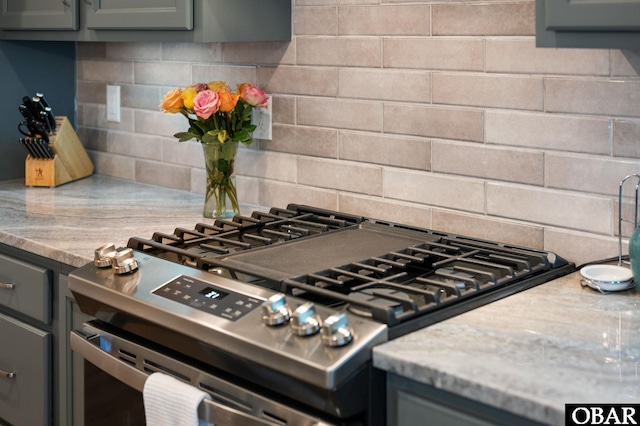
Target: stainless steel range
x=275 y=315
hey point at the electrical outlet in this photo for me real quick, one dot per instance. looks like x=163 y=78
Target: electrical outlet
x=261 y=117
x=113 y=103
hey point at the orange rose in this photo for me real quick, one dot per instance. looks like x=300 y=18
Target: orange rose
x=188 y=95
x=228 y=100
x=172 y=101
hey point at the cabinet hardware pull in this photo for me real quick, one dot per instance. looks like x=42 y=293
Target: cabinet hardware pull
x=88 y=2
x=7 y=286
x=66 y=3
x=7 y=374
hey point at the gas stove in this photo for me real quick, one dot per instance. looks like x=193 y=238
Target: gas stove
x=298 y=297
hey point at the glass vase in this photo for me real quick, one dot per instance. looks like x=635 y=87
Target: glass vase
x=221 y=196
x=634 y=256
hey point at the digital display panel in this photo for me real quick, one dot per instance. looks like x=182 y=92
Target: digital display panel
x=212 y=293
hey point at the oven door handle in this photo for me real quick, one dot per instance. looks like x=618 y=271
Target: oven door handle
x=209 y=410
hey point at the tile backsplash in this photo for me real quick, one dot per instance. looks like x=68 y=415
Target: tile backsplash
x=438 y=114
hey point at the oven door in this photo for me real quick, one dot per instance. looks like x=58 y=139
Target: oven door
x=116 y=369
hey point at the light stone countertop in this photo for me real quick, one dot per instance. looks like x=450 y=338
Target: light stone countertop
x=69 y=222
x=531 y=352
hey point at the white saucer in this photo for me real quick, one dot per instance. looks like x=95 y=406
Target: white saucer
x=607 y=277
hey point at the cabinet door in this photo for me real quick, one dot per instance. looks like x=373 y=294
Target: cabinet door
x=592 y=15
x=140 y=15
x=25 y=374
x=39 y=14
x=26 y=288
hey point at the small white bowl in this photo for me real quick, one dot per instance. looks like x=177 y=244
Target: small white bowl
x=607 y=277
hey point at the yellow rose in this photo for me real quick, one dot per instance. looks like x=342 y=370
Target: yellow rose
x=188 y=95
x=217 y=85
x=172 y=101
x=228 y=100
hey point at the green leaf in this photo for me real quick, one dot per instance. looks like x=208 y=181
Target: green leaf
x=185 y=136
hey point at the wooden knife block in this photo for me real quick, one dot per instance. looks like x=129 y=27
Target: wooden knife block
x=70 y=163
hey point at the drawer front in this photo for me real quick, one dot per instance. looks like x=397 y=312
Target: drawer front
x=25 y=373
x=26 y=288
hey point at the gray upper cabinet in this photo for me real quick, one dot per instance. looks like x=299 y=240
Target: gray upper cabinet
x=140 y=14
x=147 y=20
x=38 y=14
x=607 y=24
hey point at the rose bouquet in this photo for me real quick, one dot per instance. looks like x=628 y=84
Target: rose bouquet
x=219 y=119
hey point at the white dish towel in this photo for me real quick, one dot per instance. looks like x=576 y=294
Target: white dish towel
x=170 y=402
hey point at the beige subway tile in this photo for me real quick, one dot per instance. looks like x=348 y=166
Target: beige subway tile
x=389 y=210
x=505 y=18
x=162 y=73
x=512 y=165
x=310 y=141
x=434 y=190
x=433 y=54
x=259 y=53
x=284 y=109
x=352 y=52
x=161 y=174
x=487 y=228
x=579 y=247
x=600 y=175
x=248 y=192
x=522 y=56
x=438 y=122
x=232 y=75
x=627 y=225
x=106 y=71
x=340 y=175
x=391 y=85
x=625 y=63
x=488 y=91
x=313 y=81
x=333 y=2
x=591 y=96
x=626 y=138
x=141 y=96
x=181 y=153
x=315 y=21
x=92 y=138
x=94 y=92
x=413 y=153
x=266 y=165
x=280 y=194
x=96 y=116
x=134 y=51
x=135 y=145
x=344 y=114
x=409 y=20
x=159 y=123
x=548 y=131
x=192 y=52
x=113 y=165
x=91 y=50
x=550 y=207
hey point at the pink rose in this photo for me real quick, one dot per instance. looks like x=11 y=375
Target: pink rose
x=253 y=95
x=206 y=103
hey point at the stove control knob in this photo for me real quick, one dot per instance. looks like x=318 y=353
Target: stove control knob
x=275 y=310
x=305 y=321
x=103 y=255
x=123 y=262
x=335 y=330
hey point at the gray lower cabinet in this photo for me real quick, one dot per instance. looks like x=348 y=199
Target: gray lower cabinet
x=25 y=373
x=410 y=403
x=40 y=380
x=146 y=20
